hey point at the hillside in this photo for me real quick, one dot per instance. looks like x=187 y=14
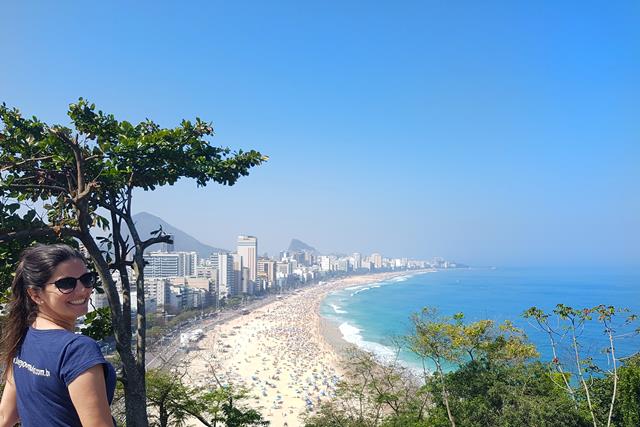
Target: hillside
x=146 y=223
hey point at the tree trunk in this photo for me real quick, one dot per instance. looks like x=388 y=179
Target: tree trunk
x=164 y=417
x=615 y=374
x=133 y=380
x=141 y=313
x=445 y=397
x=135 y=398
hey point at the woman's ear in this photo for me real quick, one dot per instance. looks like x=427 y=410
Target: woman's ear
x=34 y=295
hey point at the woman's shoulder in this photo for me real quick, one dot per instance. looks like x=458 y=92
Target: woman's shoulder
x=82 y=341
x=59 y=338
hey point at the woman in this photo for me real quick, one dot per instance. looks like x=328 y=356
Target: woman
x=54 y=377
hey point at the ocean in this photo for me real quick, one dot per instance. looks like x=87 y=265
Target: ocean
x=375 y=315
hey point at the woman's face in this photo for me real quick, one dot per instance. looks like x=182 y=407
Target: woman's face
x=61 y=306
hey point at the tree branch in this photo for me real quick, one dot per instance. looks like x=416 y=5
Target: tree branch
x=38 y=187
x=159 y=239
x=77 y=153
x=39 y=232
x=24 y=162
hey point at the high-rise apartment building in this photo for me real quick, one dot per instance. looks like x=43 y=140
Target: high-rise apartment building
x=170 y=264
x=357 y=261
x=157 y=289
x=325 y=263
x=376 y=258
x=248 y=250
x=236 y=287
x=223 y=263
x=267 y=270
x=283 y=269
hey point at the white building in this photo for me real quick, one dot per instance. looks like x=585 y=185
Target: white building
x=376 y=258
x=283 y=269
x=357 y=261
x=325 y=263
x=223 y=263
x=158 y=290
x=170 y=264
x=248 y=250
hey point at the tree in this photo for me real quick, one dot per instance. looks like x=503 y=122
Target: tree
x=169 y=398
x=626 y=412
x=372 y=393
x=64 y=180
x=172 y=401
x=434 y=340
x=448 y=341
x=571 y=322
x=221 y=405
x=495 y=393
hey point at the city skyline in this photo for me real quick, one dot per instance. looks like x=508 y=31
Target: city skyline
x=148 y=221
x=494 y=134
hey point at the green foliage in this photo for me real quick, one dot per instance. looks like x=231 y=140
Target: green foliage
x=72 y=174
x=224 y=405
x=486 y=393
x=447 y=339
x=98 y=324
x=173 y=402
x=498 y=380
x=233 y=302
x=601 y=392
x=100 y=164
x=14 y=219
x=368 y=392
x=627 y=409
x=170 y=399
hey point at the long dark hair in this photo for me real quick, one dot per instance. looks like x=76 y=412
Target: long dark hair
x=35 y=268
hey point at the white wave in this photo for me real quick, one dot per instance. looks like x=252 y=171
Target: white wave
x=352 y=335
x=383 y=353
x=337 y=309
x=360 y=290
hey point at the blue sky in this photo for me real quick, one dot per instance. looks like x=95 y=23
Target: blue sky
x=493 y=133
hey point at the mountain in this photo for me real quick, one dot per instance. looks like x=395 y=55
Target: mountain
x=299 y=246
x=146 y=223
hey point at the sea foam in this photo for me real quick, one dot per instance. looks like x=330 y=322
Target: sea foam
x=337 y=309
x=352 y=335
x=360 y=290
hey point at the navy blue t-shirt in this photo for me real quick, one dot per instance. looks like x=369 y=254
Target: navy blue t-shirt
x=47 y=362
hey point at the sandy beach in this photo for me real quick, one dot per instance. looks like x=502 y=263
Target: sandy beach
x=284 y=353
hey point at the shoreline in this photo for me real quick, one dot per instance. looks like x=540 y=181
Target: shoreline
x=284 y=352
x=330 y=328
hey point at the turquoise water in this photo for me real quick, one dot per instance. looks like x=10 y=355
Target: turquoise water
x=372 y=316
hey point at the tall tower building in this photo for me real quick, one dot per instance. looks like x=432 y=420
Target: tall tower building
x=376 y=258
x=223 y=263
x=236 y=288
x=248 y=250
x=357 y=261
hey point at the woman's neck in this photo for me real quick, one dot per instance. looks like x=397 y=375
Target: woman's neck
x=44 y=321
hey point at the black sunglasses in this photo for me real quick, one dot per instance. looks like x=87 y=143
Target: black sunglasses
x=66 y=285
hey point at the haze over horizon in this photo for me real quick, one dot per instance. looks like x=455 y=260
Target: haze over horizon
x=487 y=133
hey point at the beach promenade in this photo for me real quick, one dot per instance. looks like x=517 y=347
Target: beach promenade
x=283 y=353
